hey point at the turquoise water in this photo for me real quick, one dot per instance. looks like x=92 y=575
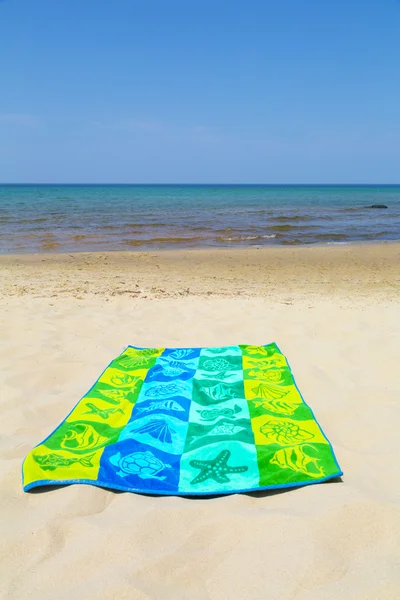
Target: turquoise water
x=67 y=218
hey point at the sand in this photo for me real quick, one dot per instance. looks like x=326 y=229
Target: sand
x=335 y=314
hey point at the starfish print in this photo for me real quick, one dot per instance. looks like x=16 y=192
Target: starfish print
x=216 y=469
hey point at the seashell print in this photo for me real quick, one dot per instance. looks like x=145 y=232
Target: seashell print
x=180 y=353
x=133 y=362
x=157 y=429
x=269 y=391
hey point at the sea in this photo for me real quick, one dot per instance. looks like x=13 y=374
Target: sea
x=72 y=218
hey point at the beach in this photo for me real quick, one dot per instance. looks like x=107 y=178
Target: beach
x=335 y=313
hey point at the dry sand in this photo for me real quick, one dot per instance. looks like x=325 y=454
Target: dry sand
x=335 y=314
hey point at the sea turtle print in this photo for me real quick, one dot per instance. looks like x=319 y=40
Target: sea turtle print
x=143 y=464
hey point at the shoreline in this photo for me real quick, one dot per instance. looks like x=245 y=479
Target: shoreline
x=207 y=247
x=50 y=247
x=362 y=269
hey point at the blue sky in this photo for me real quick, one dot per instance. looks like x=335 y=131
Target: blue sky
x=274 y=91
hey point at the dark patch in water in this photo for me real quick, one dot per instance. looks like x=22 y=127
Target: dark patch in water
x=381 y=234
x=163 y=240
x=286 y=218
x=50 y=245
x=351 y=209
x=37 y=220
x=331 y=236
x=144 y=225
x=294 y=242
x=288 y=228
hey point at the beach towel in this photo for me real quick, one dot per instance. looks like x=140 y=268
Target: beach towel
x=188 y=421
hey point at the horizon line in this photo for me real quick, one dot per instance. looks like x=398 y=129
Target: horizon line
x=75 y=183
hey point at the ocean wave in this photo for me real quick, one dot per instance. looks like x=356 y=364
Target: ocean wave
x=245 y=238
x=291 y=218
x=163 y=240
x=314 y=238
x=141 y=225
x=288 y=228
x=129 y=217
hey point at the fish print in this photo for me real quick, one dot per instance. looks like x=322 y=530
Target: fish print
x=124 y=380
x=276 y=406
x=114 y=396
x=225 y=429
x=295 y=458
x=82 y=436
x=161 y=405
x=218 y=392
x=166 y=389
x=171 y=368
x=214 y=413
x=257 y=350
x=53 y=461
x=102 y=413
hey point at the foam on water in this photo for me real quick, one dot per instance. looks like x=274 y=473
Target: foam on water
x=64 y=218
